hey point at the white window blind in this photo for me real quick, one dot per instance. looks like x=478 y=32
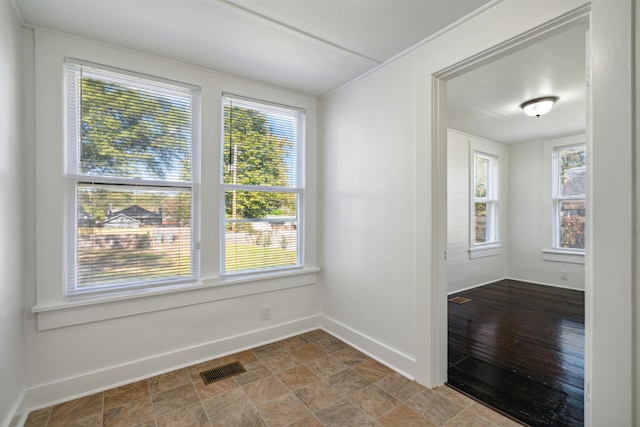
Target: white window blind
x=569 y=170
x=132 y=156
x=262 y=186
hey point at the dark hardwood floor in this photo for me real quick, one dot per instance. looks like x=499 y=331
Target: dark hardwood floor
x=519 y=347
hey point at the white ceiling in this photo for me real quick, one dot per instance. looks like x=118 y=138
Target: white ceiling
x=309 y=46
x=316 y=46
x=485 y=102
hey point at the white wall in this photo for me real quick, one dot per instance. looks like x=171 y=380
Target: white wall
x=610 y=281
x=12 y=353
x=637 y=222
x=373 y=155
x=523 y=220
x=368 y=211
x=75 y=347
x=462 y=271
x=526 y=222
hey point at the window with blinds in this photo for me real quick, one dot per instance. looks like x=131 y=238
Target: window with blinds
x=131 y=170
x=262 y=187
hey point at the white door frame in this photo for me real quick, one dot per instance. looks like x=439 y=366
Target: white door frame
x=609 y=267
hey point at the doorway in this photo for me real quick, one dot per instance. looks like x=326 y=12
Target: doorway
x=492 y=240
x=610 y=261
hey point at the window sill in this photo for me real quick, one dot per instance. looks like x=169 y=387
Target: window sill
x=484 y=251
x=563 y=256
x=76 y=312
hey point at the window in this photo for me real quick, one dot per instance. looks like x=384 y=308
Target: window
x=484 y=200
x=262 y=186
x=131 y=174
x=569 y=188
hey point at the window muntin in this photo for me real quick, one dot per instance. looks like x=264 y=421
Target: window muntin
x=262 y=186
x=569 y=189
x=132 y=148
x=484 y=218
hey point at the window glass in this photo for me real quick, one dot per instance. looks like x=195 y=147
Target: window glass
x=262 y=186
x=485 y=211
x=570 y=197
x=131 y=142
x=482 y=170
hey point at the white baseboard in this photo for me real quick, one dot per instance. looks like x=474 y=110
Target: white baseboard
x=399 y=362
x=15 y=418
x=519 y=280
x=554 y=285
x=476 y=286
x=44 y=395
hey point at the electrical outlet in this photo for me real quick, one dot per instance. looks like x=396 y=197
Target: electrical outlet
x=564 y=274
x=266 y=312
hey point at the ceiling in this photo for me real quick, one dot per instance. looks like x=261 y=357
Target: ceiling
x=309 y=46
x=317 y=46
x=485 y=102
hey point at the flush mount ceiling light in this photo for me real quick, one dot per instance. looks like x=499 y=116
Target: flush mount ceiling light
x=539 y=106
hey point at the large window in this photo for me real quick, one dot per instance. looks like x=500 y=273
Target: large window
x=484 y=200
x=131 y=173
x=569 y=188
x=262 y=186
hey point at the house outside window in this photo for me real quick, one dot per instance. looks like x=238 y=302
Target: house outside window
x=262 y=186
x=131 y=174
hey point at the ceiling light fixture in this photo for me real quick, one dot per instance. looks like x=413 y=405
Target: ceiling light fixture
x=539 y=106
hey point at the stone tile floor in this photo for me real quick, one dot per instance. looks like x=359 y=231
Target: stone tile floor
x=309 y=380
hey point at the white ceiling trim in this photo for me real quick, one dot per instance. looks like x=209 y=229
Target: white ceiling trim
x=299 y=31
x=412 y=48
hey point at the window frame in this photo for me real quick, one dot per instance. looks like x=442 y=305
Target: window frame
x=557 y=199
x=492 y=198
x=550 y=205
x=298 y=189
x=74 y=178
x=51 y=307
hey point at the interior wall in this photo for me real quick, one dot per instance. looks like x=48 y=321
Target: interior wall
x=377 y=194
x=610 y=262
x=12 y=349
x=352 y=128
x=523 y=217
x=526 y=218
x=78 y=347
x=464 y=272
x=636 y=290
x=368 y=210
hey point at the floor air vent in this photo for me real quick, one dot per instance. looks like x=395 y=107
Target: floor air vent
x=221 y=373
x=459 y=300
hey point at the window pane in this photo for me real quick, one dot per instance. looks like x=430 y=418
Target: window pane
x=480 y=223
x=240 y=204
x=572 y=172
x=260 y=144
x=262 y=149
x=482 y=172
x=128 y=131
x=261 y=245
x=130 y=236
x=267 y=236
x=571 y=229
